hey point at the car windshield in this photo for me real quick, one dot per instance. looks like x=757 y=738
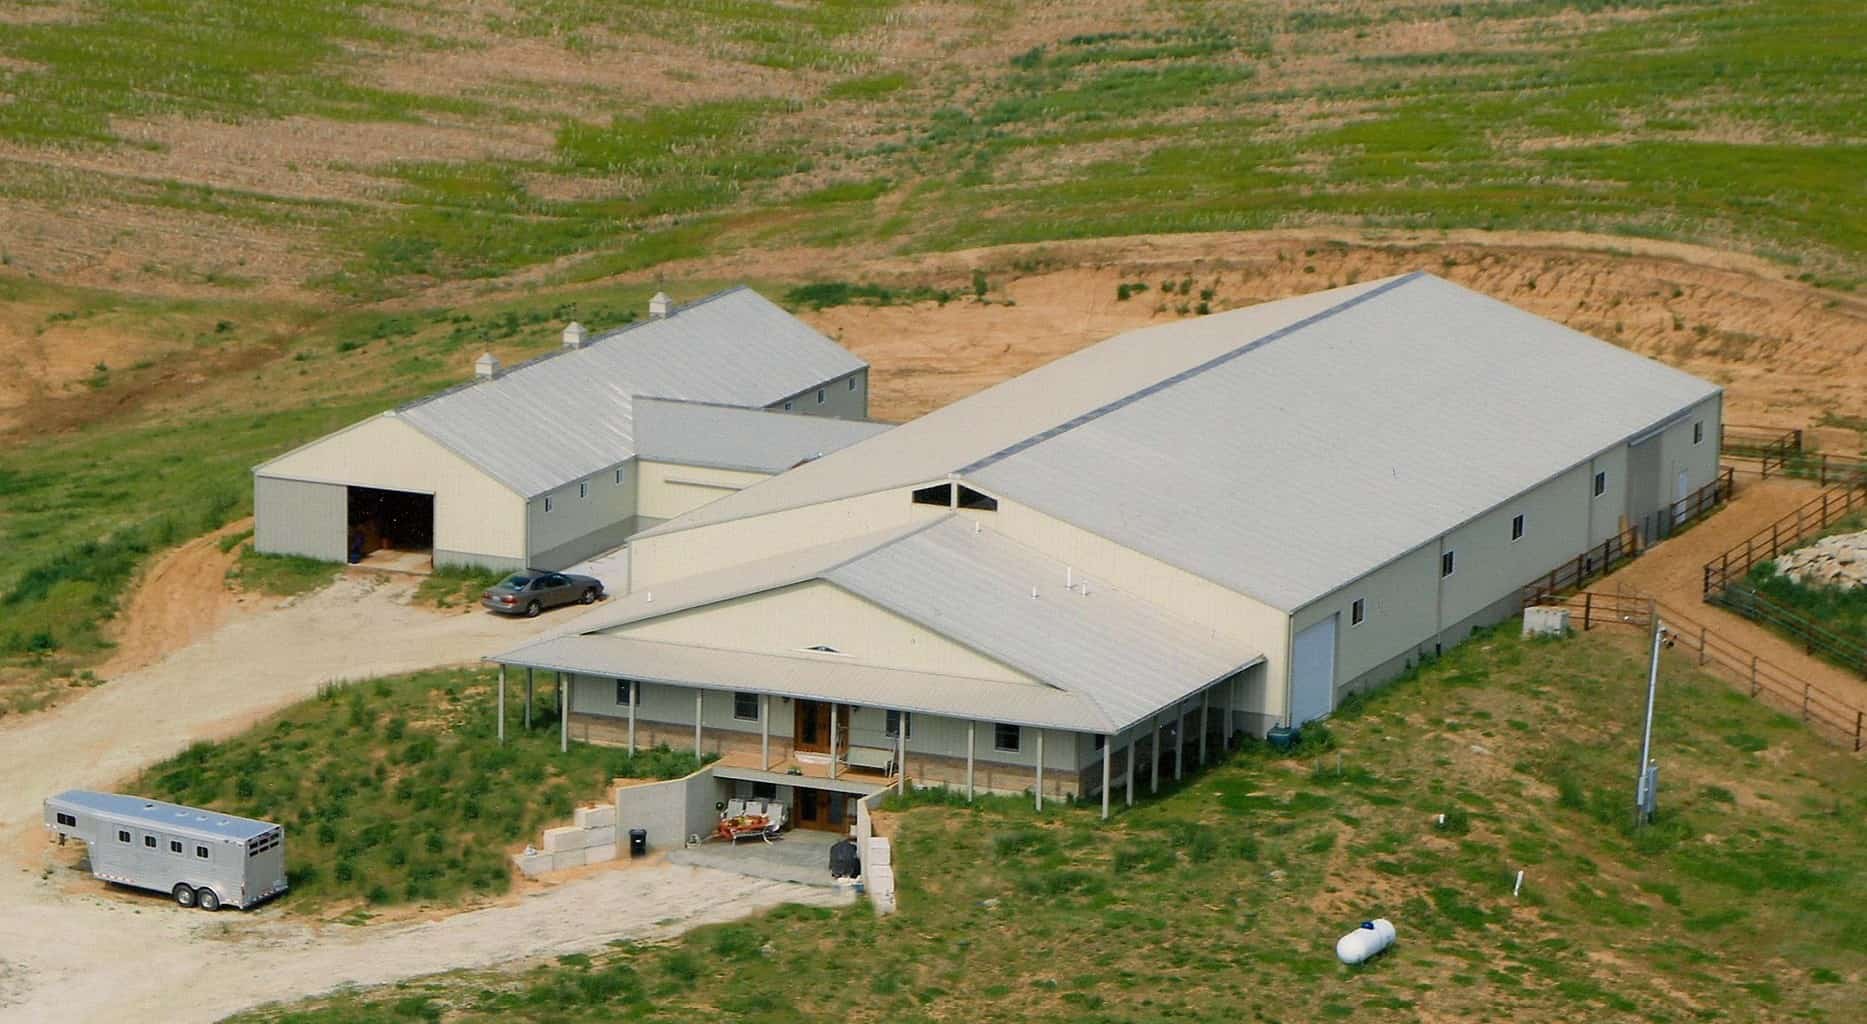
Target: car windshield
x=516 y=581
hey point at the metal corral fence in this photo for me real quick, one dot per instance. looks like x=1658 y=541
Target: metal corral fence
x=1825 y=713
x=1809 y=518
x=1597 y=561
x=1744 y=600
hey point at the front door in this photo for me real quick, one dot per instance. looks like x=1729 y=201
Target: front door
x=813 y=726
x=1682 y=489
x=824 y=810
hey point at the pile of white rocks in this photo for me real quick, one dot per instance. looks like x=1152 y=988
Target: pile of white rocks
x=1837 y=561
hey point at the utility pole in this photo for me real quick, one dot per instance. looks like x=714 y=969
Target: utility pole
x=1646 y=787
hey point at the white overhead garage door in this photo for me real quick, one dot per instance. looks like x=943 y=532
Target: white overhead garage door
x=1312 y=672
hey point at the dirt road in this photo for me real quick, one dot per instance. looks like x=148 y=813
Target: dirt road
x=89 y=958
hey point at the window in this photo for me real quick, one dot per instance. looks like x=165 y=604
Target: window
x=1516 y=526
x=625 y=692
x=123 y=835
x=583 y=488
x=969 y=498
x=787 y=407
x=1101 y=741
x=852 y=383
x=1698 y=432
x=547 y=504
x=745 y=707
x=764 y=791
x=149 y=841
x=1601 y=484
x=820 y=394
x=1358 y=611
x=938 y=494
x=201 y=852
x=175 y=846
x=66 y=819
x=1006 y=737
x=892 y=728
x=1445 y=564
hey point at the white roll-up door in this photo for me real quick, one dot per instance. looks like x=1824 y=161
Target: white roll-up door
x=1312 y=672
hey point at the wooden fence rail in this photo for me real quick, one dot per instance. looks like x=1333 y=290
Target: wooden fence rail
x=1824 y=712
x=1813 y=516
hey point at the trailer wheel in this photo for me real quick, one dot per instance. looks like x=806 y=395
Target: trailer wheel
x=207 y=898
x=184 y=896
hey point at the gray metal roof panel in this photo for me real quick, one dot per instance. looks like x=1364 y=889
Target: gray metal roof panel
x=827 y=678
x=975 y=586
x=1328 y=451
x=174 y=817
x=569 y=414
x=733 y=437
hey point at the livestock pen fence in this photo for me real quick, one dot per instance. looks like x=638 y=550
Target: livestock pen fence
x=1825 y=713
x=1770 y=451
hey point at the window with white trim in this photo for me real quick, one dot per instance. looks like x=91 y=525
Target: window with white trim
x=1357 y=611
x=1445 y=564
x=123 y=835
x=1601 y=484
x=619 y=474
x=547 y=504
x=745 y=706
x=852 y=383
x=892 y=727
x=175 y=846
x=787 y=407
x=820 y=395
x=1516 y=526
x=1007 y=738
x=1698 y=431
x=201 y=852
x=149 y=841
x=66 y=819
x=583 y=488
x=625 y=692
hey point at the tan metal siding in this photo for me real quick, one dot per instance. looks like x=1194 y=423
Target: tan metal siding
x=656 y=559
x=665 y=489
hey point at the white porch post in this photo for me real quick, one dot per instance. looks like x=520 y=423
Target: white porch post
x=502 y=703
x=1205 y=724
x=563 y=714
x=698 y=693
x=1129 y=766
x=1231 y=709
x=1108 y=751
x=635 y=697
x=764 y=732
x=1040 y=769
x=1153 y=756
x=901 y=753
x=971 y=727
x=1179 y=741
x=528 y=698
x=832 y=739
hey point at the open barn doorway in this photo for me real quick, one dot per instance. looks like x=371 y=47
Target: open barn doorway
x=391 y=530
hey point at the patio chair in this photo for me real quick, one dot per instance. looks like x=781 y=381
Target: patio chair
x=775 y=819
x=735 y=807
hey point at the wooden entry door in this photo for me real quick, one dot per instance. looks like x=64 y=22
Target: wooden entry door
x=825 y=811
x=813 y=727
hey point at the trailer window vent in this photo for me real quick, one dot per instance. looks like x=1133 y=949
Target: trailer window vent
x=67 y=819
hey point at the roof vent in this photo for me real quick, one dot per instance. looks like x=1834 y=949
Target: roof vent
x=660 y=306
x=486 y=367
x=574 y=335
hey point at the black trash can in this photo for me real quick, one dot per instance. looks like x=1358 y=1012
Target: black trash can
x=638 y=842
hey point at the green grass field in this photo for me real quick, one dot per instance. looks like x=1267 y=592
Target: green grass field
x=1222 y=901
x=396 y=791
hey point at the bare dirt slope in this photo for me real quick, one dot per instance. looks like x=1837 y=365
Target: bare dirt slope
x=181 y=599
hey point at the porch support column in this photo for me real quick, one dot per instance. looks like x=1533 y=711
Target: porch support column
x=1129 y=766
x=971 y=728
x=832 y=739
x=1040 y=769
x=1232 y=700
x=502 y=703
x=1153 y=756
x=1179 y=742
x=1108 y=751
x=635 y=697
x=698 y=693
x=764 y=732
x=528 y=698
x=563 y=714
x=901 y=753
x=1205 y=725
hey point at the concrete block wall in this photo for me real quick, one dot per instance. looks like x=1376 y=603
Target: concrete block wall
x=589 y=839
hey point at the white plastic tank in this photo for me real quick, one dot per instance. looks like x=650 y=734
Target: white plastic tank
x=1364 y=942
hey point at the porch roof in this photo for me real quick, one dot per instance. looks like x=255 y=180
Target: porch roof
x=826 y=679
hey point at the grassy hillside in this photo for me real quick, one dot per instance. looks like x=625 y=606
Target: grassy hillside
x=395 y=791
x=354 y=149
x=1222 y=901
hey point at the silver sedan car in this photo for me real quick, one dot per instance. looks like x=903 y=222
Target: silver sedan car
x=528 y=593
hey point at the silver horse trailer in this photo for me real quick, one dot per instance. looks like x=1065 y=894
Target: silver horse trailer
x=202 y=858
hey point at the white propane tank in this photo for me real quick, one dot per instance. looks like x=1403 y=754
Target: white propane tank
x=1364 y=942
